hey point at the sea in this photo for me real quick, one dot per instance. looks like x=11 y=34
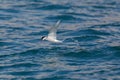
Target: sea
x=89 y=29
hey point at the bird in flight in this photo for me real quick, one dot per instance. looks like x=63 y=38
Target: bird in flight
x=52 y=36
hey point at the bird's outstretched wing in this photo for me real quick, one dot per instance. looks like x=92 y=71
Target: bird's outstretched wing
x=53 y=30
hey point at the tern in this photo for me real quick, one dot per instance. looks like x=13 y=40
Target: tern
x=52 y=36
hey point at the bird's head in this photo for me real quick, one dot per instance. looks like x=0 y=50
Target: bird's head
x=43 y=38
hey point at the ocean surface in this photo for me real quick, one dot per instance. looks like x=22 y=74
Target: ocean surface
x=90 y=30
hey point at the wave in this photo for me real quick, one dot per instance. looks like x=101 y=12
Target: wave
x=54 y=7
x=62 y=17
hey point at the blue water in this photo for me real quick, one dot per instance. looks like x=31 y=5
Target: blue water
x=90 y=30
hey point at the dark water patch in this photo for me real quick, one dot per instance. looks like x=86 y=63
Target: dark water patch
x=5 y=17
x=3 y=43
x=115 y=51
x=83 y=15
x=106 y=52
x=17 y=29
x=33 y=5
x=57 y=48
x=62 y=17
x=87 y=38
x=84 y=54
x=89 y=32
x=19 y=6
x=102 y=7
x=107 y=2
x=19 y=65
x=41 y=52
x=10 y=10
x=115 y=24
x=10 y=30
x=36 y=1
x=56 y=77
x=91 y=51
x=94 y=32
x=69 y=40
x=112 y=2
x=32 y=53
x=54 y=7
x=28 y=78
x=76 y=54
x=29 y=52
x=117 y=48
x=23 y=73
x=38 y=33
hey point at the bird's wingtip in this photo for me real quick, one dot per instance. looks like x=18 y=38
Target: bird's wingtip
x=58 y=22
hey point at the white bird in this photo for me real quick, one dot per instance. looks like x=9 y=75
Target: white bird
x=52 y=36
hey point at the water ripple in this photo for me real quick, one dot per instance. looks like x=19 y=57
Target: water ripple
x=90 y=30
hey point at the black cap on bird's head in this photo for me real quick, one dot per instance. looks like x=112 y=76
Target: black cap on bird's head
x=43 y=37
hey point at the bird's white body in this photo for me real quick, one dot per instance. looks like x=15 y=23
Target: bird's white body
x=53 y=40
x=52 y=34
